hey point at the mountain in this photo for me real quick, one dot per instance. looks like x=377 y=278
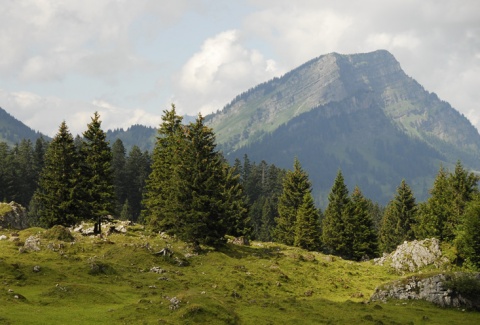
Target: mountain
x=142 y=136
x=359 y=113
x=12 y=131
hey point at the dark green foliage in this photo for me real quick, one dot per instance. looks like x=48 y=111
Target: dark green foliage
x=137 y=135
x=25 y=172
x=295 y=185
x=97 y=171
x=262 y=185
x=137 y=169
x=199 y=184
x=307 y=228
x=436 y=211
x=333 y=227
x=126 y=212
x=119 y=175
x=441 y=215
x=466 y=284
x=468 y=234
x=7 y=178
x=399 y=219
x=360 y=229
x=235 y=205
x=463 y=187
x=160 y=199
x=58 y=198
x=191 y=192
x=19 y=170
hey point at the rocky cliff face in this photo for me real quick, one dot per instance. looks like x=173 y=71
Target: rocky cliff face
x=437 y=289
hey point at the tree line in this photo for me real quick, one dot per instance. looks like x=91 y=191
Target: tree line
x=186 y=188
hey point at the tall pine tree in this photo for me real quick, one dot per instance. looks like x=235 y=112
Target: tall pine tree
x=363 y=235
x=58 y=197
x=161 y=199
x=398 y=222
x=333 y=228
x=190 y=191
x=307 y=230
x=295 y=185
x=97 y=171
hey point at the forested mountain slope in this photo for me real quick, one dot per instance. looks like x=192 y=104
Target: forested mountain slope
x=360 y=113
x=13 y=131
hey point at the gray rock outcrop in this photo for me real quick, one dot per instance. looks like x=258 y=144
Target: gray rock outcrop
x=436 y=289
x=414 y=255
x=32 y=244
x=16 y=218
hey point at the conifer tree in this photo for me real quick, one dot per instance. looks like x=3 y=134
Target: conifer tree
x=234 y=203
x=333 y=228
x=361 y=228
x=6 y=172
x=58 y=196
x=398 y=221
x=97 y=171
x=307 y=234
x=467 y=241
x=25 y=172
x=463 y=186
x=295 y=185
x=190 y=191
x=119 y=174
x=434 y=213
x=137 y=169
x=269 y=212
x=161 y=199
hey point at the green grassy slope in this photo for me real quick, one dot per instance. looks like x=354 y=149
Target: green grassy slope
x=108 y=281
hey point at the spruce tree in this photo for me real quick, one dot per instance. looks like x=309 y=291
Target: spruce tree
x=333 y=228
x=137 y=169
x=467 y=241
x=436 y=211
x=25 y=172
x=161 y=199
x=463 y=186
x=97 y=171
x=307 y=234
x=58 y=196
x=206 y=215
x=364 y=237
x=398 y=223
x=295 y=185
x=235 y=203
x=119 y=174
x=191 y=192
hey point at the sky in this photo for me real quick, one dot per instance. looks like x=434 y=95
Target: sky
x=63 y=60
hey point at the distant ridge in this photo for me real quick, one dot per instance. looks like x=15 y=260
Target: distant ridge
x=12 y=131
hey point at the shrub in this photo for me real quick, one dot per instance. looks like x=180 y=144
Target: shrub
x=58 y=233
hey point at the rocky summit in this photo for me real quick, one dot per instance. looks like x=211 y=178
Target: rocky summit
x=360 y=113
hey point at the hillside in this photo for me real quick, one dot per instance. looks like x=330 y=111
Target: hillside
x=360 y=113
x=142 y=136
x=126 y=278
x=12 y=131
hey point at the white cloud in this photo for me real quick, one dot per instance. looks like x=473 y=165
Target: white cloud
x=44 y=40
x=222 y=69
x=436 y=42
x=45 y=114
